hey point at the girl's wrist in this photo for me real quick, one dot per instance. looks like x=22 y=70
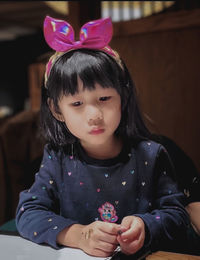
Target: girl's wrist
x=70 y=236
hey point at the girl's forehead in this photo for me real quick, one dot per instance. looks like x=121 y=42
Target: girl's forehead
x=97 y=88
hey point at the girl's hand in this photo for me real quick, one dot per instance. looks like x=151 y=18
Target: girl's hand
x=99 y=238
x=132 y=236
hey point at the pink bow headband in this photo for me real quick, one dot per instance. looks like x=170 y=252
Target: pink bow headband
x=59 y=35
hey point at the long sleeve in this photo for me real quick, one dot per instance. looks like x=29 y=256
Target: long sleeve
x=188 y=177
x=37 y=217
x=168 y=220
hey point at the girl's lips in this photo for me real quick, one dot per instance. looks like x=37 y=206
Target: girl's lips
x=96 y=131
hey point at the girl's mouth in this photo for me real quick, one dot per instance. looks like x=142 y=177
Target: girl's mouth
x=96 y=131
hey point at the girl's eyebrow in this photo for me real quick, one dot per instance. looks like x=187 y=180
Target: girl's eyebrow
x=76 y=94
x=99 y=92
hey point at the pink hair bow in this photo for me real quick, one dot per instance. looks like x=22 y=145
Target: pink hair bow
x=59 y=35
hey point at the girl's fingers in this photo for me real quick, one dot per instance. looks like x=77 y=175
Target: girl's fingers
x=132 y=244
x=112 y=239
x=109 y=228
x=107 y=247
x=130 y=247
x=121 y=230
x=131 y=234
x=136 y=227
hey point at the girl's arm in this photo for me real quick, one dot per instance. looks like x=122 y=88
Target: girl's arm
x=168 y=220
x=37 y=216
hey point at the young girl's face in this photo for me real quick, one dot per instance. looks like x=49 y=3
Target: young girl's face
x=91 y=115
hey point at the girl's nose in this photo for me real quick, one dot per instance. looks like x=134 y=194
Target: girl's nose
x=94 y=116
x=97 y=121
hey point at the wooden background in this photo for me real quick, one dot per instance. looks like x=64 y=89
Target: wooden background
x=162 y=53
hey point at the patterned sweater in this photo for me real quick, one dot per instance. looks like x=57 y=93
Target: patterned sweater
x=68 y=190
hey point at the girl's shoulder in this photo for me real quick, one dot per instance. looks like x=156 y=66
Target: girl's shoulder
x=53 y=153
x=147 y=145
x=149 y=154
x=148 y=149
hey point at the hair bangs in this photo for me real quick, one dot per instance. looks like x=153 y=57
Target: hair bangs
x=94 y=69
x=90 y=66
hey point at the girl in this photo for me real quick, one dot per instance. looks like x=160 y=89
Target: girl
x=102 y=181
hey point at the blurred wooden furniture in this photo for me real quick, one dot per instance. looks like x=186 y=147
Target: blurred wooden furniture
x=163 y=56
x=20 y=147
x=36 y=77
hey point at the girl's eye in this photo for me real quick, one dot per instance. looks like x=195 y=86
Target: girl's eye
x=77 y=104
x=104 y=98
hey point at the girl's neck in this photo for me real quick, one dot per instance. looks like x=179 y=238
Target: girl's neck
x=108 y=150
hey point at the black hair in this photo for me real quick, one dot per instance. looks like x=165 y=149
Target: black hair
x=91 y=66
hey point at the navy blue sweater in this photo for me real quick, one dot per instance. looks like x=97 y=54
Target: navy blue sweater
x=68 y=190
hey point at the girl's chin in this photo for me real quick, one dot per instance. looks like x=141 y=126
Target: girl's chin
x=95 y=141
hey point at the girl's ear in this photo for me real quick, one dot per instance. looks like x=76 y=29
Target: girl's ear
x=56 y=114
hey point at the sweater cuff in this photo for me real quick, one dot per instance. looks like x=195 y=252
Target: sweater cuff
x=56 y=229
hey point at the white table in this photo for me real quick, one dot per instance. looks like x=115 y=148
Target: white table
x=17 y=248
